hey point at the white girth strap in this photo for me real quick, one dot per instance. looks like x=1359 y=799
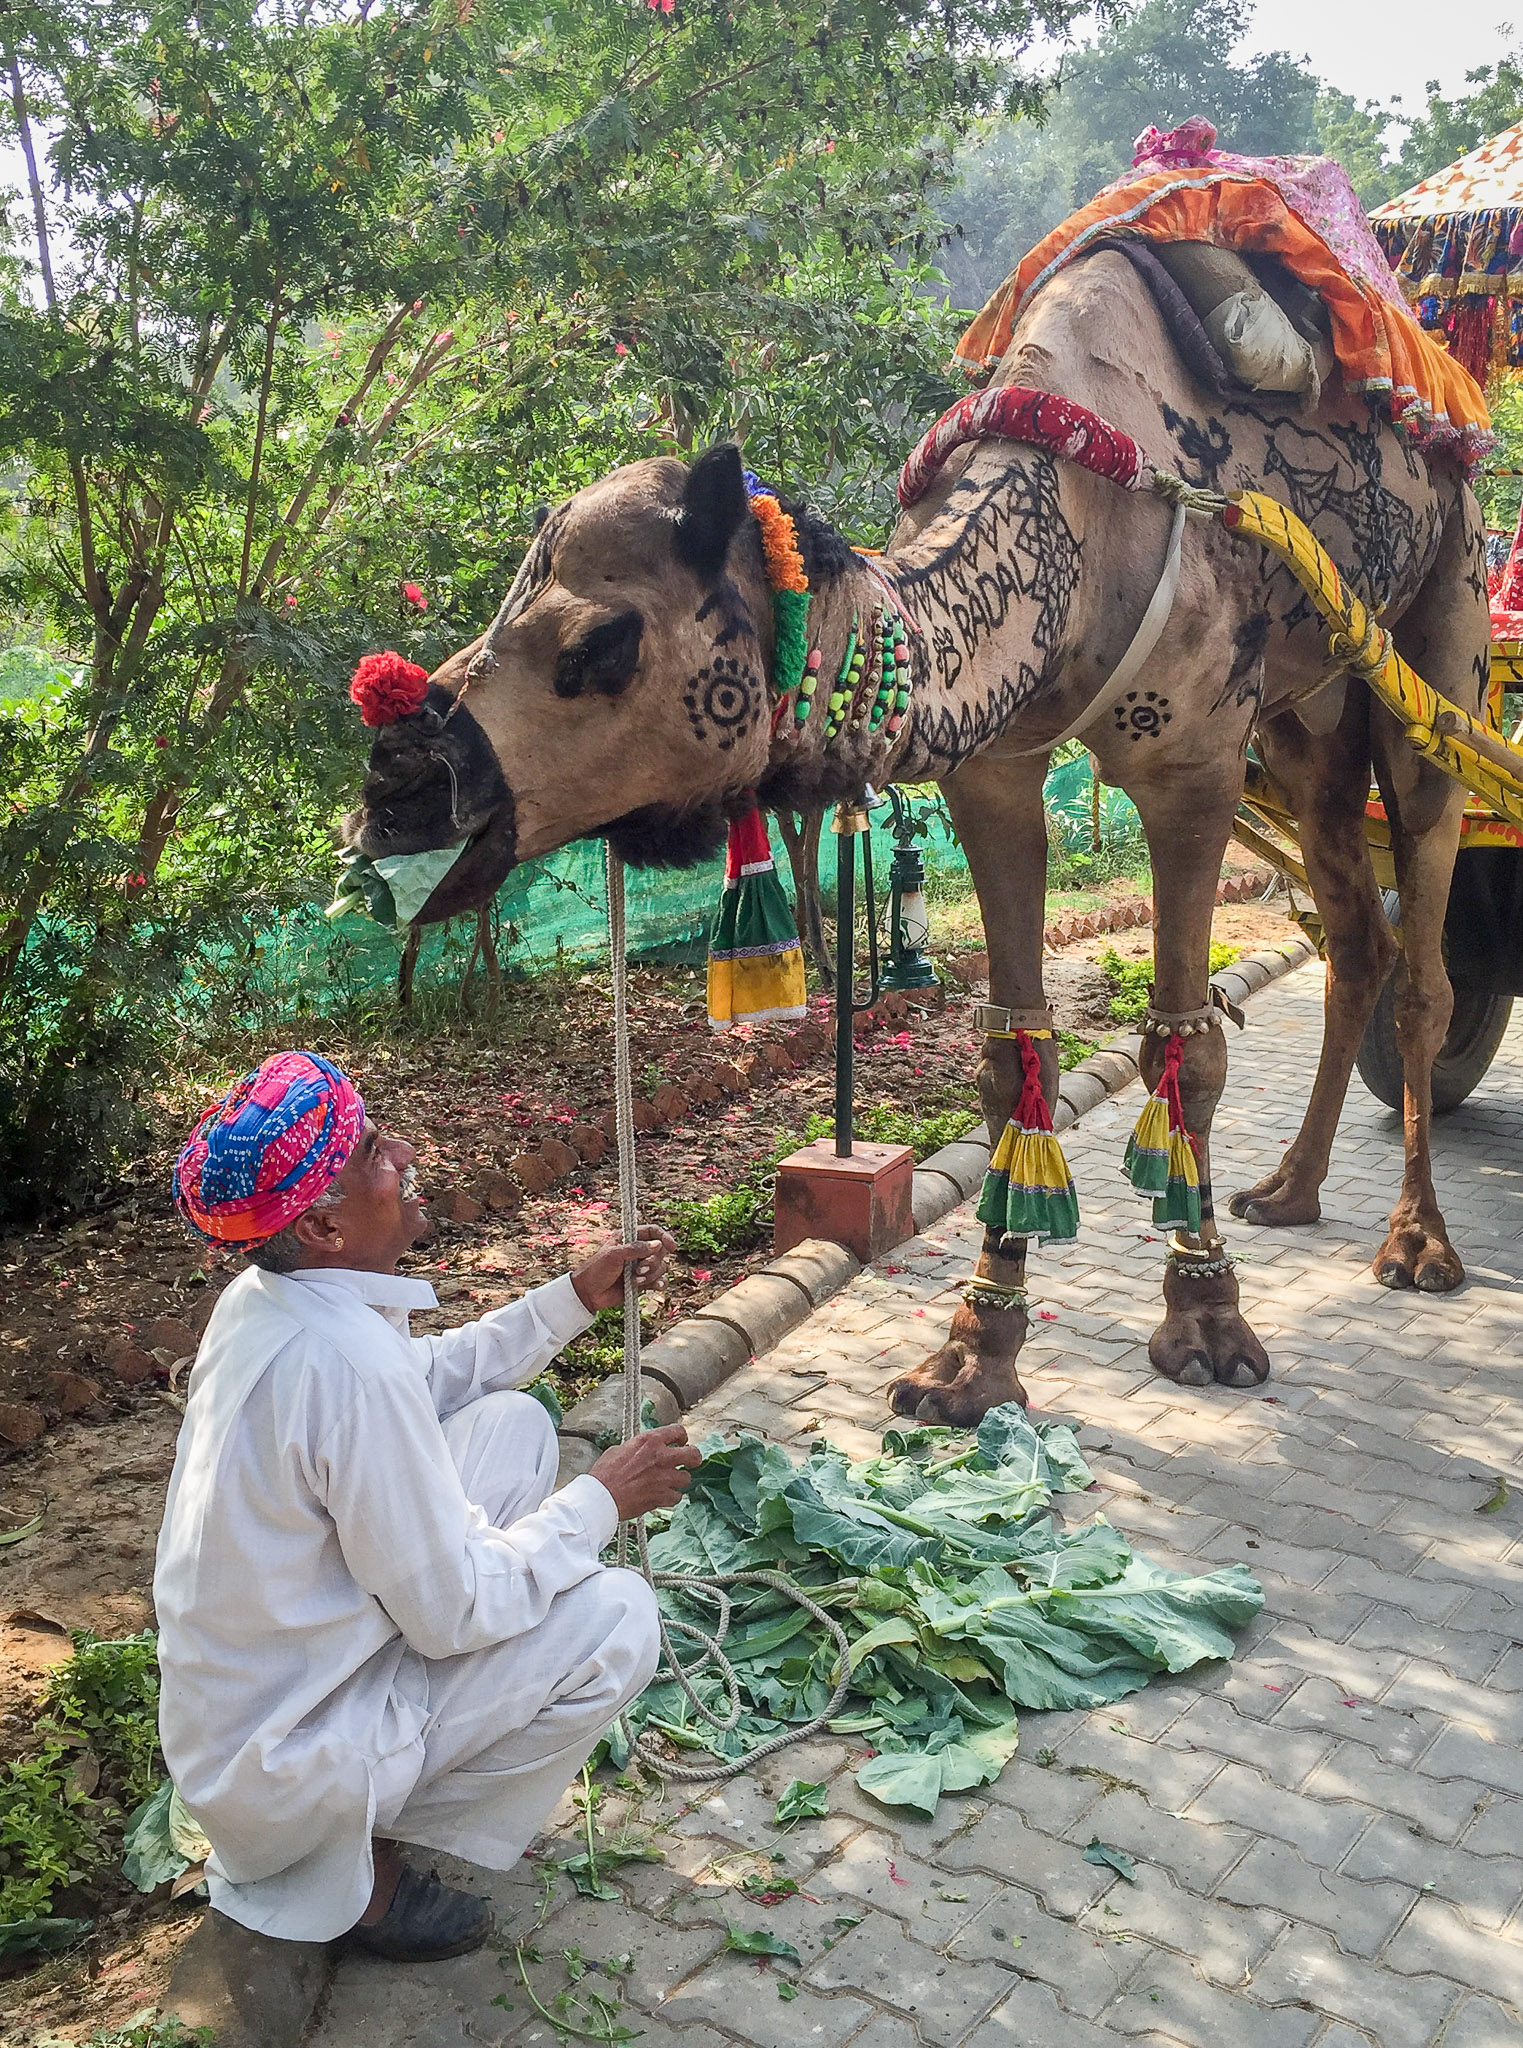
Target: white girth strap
x=1144 y=640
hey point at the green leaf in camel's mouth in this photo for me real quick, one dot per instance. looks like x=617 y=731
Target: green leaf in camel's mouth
x=393 y=888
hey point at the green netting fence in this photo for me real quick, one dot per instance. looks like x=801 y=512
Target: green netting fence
x=552 y=911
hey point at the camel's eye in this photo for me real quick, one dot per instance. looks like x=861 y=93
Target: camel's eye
x=604 y=659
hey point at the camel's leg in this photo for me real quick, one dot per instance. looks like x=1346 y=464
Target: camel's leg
x=1187 y=820
x=1445 y=636
x=1326 y=780
x=997 y=809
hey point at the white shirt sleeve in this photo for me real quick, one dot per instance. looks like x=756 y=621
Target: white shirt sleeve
x=510 y=1345
x=449 y=1580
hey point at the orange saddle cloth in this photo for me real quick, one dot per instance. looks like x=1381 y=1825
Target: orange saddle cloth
x=1300 y=210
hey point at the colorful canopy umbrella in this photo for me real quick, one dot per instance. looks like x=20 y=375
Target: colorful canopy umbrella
x=1456 y=244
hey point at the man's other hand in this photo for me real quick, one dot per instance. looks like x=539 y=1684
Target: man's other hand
x=600 y=1283
x=650 y=1471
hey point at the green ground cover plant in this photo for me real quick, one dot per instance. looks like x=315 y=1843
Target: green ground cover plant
x=64 y=1803
x=1132 y=980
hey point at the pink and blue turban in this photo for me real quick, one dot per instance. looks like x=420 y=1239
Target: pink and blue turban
x=264 y=1154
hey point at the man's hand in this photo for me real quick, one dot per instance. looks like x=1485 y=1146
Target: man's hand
x=650 y=1471
x=600 y=1283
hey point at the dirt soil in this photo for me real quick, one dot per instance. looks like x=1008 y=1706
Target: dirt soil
x=97 y=1317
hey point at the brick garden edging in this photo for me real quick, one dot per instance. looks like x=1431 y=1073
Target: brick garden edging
x=700 y=1353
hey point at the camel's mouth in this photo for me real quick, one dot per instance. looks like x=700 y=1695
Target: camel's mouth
x=433 y=784
x=404 y=884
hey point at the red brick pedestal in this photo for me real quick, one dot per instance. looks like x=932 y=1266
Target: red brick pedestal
x=863 y=1202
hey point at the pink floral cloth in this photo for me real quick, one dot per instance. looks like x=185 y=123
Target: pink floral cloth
x=1315 y=188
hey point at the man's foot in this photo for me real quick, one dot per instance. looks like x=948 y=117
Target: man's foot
x=426 y=1922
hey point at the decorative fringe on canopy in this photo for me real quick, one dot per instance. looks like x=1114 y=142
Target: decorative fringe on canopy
x=1161 y=1157
x=756 y=965
x=1028 y=1190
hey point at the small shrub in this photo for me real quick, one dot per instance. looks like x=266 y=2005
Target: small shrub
x=108 y=1692
x=1132 y=980
x=720 y=1224
x=50 y=1833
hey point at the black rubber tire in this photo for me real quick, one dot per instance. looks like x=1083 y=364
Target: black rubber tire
x=1470 y=1046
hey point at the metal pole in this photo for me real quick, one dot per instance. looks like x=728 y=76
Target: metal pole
x=846 y=918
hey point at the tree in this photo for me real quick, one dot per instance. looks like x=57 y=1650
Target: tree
x=1158 y=63
x=321 y=298
x=1447 y=129
x=1357 y=136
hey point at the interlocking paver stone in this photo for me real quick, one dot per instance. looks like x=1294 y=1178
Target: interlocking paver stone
x=1361 y=1915
x=1282 y=1837
x=943 y=1998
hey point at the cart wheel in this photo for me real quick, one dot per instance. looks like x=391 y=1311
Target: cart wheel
x=1475 y=1032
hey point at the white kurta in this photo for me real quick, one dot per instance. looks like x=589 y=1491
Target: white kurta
x=349 y=1506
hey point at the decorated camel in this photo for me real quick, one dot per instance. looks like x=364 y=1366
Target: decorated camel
x=641 y=679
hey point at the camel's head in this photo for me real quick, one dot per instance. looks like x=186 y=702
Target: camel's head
x=621 y=689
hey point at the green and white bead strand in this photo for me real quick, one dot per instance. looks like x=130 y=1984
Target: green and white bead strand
x=853 y=662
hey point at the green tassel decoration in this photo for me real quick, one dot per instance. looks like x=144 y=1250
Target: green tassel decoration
x=1028 y=1190
x=790 y=632
x=1160 y=1154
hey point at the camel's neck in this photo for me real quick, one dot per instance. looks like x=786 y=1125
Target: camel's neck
x=986 y=593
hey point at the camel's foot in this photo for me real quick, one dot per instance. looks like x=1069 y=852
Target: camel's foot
x=1202 y=1337
x=956 y=1387
x=1417 y=1253
x=1277 y=1201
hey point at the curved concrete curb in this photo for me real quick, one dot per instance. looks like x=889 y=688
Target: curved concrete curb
x=698 y=1354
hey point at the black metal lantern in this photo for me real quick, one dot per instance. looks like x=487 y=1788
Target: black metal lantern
x=909 y=924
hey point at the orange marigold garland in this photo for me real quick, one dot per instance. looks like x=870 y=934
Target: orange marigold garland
x=789 y=582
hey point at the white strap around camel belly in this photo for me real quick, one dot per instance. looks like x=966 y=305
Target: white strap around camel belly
x=1144 y=640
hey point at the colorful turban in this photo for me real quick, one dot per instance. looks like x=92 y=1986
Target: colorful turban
x=264 y=1154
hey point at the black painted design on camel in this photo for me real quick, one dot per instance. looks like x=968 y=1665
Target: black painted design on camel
x=1143 y=714
x=1014 y=553
x=723 y=701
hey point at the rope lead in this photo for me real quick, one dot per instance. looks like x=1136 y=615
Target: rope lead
x=712 y=1588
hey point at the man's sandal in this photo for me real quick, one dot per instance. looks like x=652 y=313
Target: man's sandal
x=426 y=1922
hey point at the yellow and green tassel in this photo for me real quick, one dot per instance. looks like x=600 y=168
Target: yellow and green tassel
x=1161 y=1158
x=1028 y=1190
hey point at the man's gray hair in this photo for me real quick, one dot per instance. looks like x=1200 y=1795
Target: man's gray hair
x=284 y=1252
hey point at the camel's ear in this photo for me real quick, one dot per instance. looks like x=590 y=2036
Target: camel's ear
x=541 y=514
x=604 y=659
x=713 y=506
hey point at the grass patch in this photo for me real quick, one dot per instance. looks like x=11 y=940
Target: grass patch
x=1131 y=980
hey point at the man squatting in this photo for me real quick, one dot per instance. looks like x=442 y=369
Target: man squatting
x=377 y=1622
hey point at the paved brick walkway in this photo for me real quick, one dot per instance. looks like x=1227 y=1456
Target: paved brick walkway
x=1328 y=1832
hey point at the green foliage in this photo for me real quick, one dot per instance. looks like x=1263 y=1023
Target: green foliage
x=108 y=1692
x=103 y=1702
x=882 y=1124
x=1157 y=63
x=1132 y=980
x=804 y=1799
x=720 y=1224
x=1447 y=129
x=51 y=1833
x=328 y=299
x=146 y=2030
x=1356 y=135
x=961 y=1599
x=1131 y=984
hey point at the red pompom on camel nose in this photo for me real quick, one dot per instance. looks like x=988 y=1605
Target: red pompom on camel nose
x=387 y=687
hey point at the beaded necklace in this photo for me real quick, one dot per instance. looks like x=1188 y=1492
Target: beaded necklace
x=874 y=699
